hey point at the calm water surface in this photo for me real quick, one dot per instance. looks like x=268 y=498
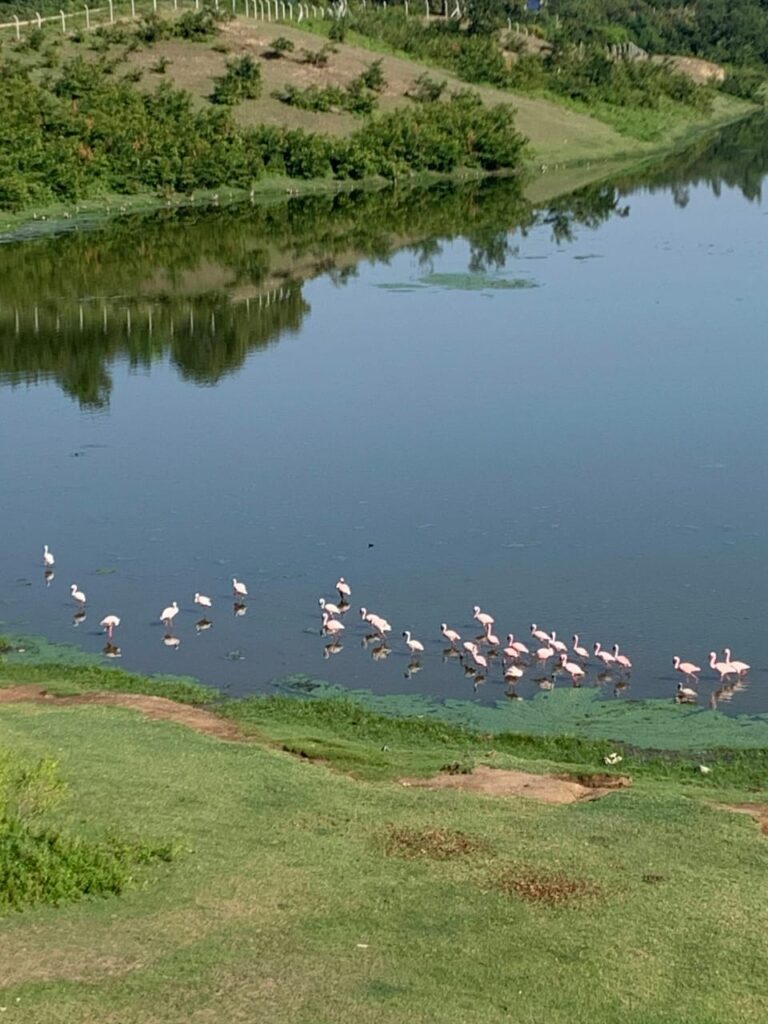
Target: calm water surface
x=557 y=414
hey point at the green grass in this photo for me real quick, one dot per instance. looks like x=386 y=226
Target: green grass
x=289 y=901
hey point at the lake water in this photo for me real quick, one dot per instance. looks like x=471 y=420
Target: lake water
x=450 y=399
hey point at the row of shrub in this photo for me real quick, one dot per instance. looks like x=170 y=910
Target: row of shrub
x=83 y=134
x=357 y=97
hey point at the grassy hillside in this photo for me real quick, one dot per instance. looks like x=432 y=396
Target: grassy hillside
x=301 y=894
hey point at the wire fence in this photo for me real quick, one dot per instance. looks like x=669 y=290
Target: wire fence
x=294 y=11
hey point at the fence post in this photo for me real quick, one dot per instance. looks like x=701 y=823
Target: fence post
x=111 y=13
x=426 y=6
x=63 y=22
x=290 y=11
x=18 y=26
x=282 y=8
x=216 y=4
x=154 y=6
x=261 y=9
x=87 y=17
x=234 y=7
x=39 y=19
x=406 y=8
x=197 y=5
x=133 y=8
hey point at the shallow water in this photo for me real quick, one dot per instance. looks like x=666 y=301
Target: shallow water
x=449 y=399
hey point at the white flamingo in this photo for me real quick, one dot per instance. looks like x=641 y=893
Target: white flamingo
x=48 y=560
x=110 y=624
x=414 y=646
x=578 y=650
x=482 y=617
x=739 y=667
x=77 y=595
x=686 y=695
x=239 y=589
x=450 y=634
x=576 y=672
x=686 y=668
x=344 y=589
x=202 y=600
x=169 y=614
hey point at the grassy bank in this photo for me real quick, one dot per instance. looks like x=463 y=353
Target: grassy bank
x=310 y=886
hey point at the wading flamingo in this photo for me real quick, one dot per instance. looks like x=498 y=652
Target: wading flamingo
x=169 y=614
x=239 y=589
x=414 y=646
x=77 y=595
x=576 y=672
x=450 y=634
x=482 y=617
x=344 y=589
x=621 y=659
x=48 y=560
x=539 y=634
x=110 y=623
x=605 y=656
x=739 y=667
x=687 y=668
x=723 y=667
x=201 y=599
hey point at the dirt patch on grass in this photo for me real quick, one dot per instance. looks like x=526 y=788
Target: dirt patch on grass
x=158 y=708
x=551 y=889
x=757 y=811
x=549 y=789
x=430 y=843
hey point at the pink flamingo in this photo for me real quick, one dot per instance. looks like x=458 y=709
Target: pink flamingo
x=483 y=617
x=239 y=589
x=110 y=623
x=580 y=652
x=379 y=624
x=414 y=646
x=723 y=667
x=326 y=606
x=559 y=646
x=539 y=634
x=621 y=659
x=576 y=672
x=545 y=653
x=512 y=673
x=77 y=595
x=519 y=647
x=344 y=590
x=687 y=668
x=332 y=627
x=450 y=634
x=739 y=667
x=490 y=638
x=604 y=656
x=169 y=614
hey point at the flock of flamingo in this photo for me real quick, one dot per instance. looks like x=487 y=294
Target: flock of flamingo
x=477 y=655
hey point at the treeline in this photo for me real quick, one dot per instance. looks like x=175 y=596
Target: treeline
x=83 y=134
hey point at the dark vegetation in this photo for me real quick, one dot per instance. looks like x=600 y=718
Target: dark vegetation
x=241 y=82
x=79 y=133
x=40 y=863
x=358 y=96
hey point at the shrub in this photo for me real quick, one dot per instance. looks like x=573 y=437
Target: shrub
x=280 y=46
x=241 y=82
x=373 y=77
x=426 y=89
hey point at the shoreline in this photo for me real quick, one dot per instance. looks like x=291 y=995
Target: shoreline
x=541 y=183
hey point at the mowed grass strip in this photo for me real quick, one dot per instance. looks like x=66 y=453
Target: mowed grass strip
x=285 y=903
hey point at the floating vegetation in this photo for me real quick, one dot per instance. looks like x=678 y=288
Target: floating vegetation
x=462 y=282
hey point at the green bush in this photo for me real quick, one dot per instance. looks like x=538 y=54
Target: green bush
x=373 y=77
x=38 y=863
x=280 y=46
x=241 y=82
x=426 y=89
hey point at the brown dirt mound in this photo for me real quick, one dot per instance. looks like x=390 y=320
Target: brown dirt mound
x=159 y=708
x=551 y=889
x=430 y=843
x=549 y=789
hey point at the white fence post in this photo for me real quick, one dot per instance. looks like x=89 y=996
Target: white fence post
x=39 y=19
x=154 y=6
x=111 y=13
x=87 y=17
x=133 y=8
x=18 y=26
x=234 y=7
x=63 y=22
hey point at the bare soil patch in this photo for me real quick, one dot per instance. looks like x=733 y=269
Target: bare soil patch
x=551 y=889
x=757 y=811
x=549 y=789
x=430 y=843
x=158 y=708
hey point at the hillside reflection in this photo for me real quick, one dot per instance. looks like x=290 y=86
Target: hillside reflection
x=205 y=289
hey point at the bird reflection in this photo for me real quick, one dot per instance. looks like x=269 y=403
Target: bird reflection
x=48 y=574
x=172 y=641
x=450 y=652
x=203 y=624
x=79 y=617
x=239 y=608
x=512 y=694
x=334 y=647
x=381 y=653
x=414 y=667
x=111 y=651
x=620 y=687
